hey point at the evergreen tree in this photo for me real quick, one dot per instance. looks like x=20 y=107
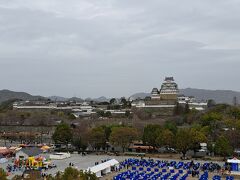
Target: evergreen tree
x=62 y=134
x=187 y=109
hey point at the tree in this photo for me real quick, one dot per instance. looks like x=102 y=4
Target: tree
x=213 y=120
x=147 y=98
x=166 y=138
x=184 y=141
x=123 y=136
x=71 y=116
x=186 y=109
x=210 y=119
x=210 y=146
x=205 y=130
x=73 y=174
x=81 y=136
x=178 y=110
x=123 y=101
x=197 y=138
x=107 y=131
x=101 y=113
x=127 y=113
x=229 y=123
x=7 y=105
x=61 y=114
x=223 y=147
x=87 y=175
x=91 y=103
x=211 y=103
x=97 y=138
x=238 y=125
x=190 y=139
x=113 y=101
x=234 y=112
x=70 y=174
x=3 y=175
x=151 y=133
x=108 y=114
x=171 y=126
x=233 y=137
x=32 y=175
x=62 y=134
x=78 y=143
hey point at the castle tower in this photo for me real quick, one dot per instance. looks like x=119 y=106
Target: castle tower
x=169 y=89
x=155 y=95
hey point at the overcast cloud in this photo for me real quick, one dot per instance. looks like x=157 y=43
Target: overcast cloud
x=90 y=48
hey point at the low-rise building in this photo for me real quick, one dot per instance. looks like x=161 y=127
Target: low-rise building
x=27 y=152
x=192 y=103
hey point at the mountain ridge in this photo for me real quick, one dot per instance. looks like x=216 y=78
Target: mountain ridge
x=220 y=96
x=6 y=95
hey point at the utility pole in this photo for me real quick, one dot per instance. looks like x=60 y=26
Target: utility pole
x=4 y=136
x=235 y=101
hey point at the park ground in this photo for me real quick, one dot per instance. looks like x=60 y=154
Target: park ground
x=84 y=162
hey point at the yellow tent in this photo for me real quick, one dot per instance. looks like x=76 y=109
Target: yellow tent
x=44 y=148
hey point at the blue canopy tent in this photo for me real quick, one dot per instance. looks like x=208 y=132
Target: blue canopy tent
x=234 y=164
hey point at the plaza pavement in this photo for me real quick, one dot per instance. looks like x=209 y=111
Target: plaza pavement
x=80 y=162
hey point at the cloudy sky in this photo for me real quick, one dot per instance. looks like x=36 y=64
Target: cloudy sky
x=90 y=48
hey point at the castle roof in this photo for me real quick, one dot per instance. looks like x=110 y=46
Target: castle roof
x=169 y=79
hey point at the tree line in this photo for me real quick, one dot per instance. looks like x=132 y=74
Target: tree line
x=69 y=174
x=99 y=138
x=218 y=127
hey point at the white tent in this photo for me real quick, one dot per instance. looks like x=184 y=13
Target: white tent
x=234 y=164
x=104 y=168
x=59 y=156
x=113 y=162
x=234 y=160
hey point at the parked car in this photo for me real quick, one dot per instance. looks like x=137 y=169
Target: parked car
x=167 y=150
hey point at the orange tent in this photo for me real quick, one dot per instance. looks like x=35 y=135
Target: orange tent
x=45 y=148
